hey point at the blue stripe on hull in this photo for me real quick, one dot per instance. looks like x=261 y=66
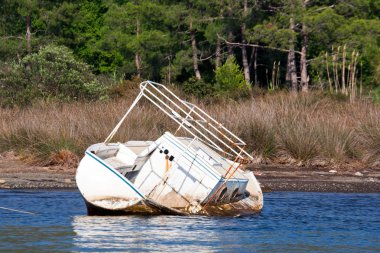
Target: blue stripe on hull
x=116 y=173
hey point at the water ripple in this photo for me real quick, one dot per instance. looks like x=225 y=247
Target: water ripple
x=290 y=222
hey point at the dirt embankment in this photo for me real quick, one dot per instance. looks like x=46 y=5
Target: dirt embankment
x=16 y=174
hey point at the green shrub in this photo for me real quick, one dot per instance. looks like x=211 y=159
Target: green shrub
x=230 y=80
x=376 y=95
x=198 y=88
x=52 y=73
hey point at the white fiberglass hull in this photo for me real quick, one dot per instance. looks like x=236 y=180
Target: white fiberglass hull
x=177 y=191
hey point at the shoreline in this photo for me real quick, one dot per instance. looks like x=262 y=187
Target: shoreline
x=267 y=187
x=16 y=174
x=317 y=179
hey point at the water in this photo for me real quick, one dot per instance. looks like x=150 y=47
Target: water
x=290 y=222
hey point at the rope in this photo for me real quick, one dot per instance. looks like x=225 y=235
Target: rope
x=19 y=211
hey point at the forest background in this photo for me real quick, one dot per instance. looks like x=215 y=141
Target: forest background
x=300 y=79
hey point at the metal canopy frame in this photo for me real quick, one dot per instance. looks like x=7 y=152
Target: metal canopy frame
x=191 y=119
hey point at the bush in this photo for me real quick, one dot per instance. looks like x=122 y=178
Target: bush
x=376 y=95
x=198 y=88
x=297 y=138
x=52 y=73
x=230 y=80
x=41 y=146
x=335 y=142
x=370 y=140
x=260 y=137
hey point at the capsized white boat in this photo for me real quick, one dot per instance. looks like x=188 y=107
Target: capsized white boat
x=199 y=172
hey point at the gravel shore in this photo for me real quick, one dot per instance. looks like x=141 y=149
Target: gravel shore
x=15 y=174
x=314 y=179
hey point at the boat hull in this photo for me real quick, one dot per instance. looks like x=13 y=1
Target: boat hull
x=240 y=208
x=107 y=192
x=143 y=207
x=103 y=186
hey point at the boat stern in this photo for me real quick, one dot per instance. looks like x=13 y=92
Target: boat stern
x=104 y=187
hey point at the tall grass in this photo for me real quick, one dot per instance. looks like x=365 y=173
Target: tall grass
x=299 y=128
x=370 y=136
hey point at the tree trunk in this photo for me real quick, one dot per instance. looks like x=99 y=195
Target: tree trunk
x=255 y=66
x=247 y=74
x=230 y=48
x=218 y=53
x=291 y=67
x=230 y=35
x=138 y=64
x=344 y=86
x=253 y=60
x=304 y=77
x=195 y=53
x=137 y=54
x=169 y=71
x=28 y=34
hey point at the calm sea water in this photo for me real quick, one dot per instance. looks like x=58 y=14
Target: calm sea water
x=290 y=222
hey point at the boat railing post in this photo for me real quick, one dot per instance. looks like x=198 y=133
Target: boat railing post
x=110 y=136
x=194 y=117
x=196 y=129
x=208 y=131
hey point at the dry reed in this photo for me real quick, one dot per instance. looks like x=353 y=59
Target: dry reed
x=344 y=68
x=301 y=128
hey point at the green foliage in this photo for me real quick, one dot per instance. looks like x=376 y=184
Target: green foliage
x=78 y=26
x=272 y=35
x=52 y=73
x=213 y=30
x=198 y=88
x=322 y=26
x=376 y=94
x=377 y=75
x=181 y=64
x=110 y=35
x=130 y=29
x=354 y=8
x=230 y=80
